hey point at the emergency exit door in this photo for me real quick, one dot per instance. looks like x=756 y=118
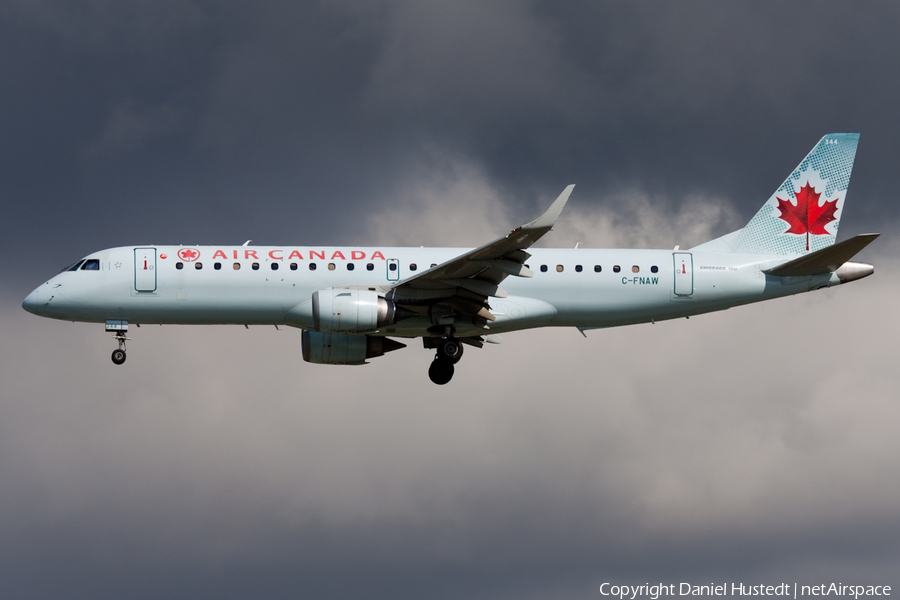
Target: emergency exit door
x=684 y=273
x=393 y=269
x=145 y=269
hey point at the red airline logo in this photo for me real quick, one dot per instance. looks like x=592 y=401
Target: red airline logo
x=188 y=254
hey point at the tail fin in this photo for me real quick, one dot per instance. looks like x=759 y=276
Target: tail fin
x=803 y=215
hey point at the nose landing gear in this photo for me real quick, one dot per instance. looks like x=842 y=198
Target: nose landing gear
x=118 y=355
x=119 y=328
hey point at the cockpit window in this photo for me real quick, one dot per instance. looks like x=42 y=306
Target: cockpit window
x=73 y=267
x=91 y=265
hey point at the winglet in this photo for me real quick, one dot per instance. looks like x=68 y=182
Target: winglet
x=546 y=220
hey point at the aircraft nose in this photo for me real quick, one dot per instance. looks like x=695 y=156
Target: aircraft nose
x=31 y=302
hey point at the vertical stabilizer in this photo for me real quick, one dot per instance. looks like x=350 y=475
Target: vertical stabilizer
x=803 y=215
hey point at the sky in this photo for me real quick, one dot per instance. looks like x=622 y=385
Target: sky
x=755 y=445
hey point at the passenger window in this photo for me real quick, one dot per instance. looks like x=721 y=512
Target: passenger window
x=350 y=266
x=370 y=267
x=597 y=268
x=91 y=265
x=236 y=266
x=543 y=268
x=578 y=268
x=293 y=266
x=312 y=266
x=654 y=269
x=179 y=266
x=274 y=266
x=217 y=266
x=392 y=266
x=255 y=266
x=635 y=269
x=413 y=266
x=433 y=265
x=198 y=265
x=331 y=266
x=616 y=268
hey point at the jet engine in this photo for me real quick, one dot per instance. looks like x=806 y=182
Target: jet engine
x=344 y=348
x=352 y=311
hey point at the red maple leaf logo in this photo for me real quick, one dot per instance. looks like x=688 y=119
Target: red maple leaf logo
x=188 y=255
x=807 y=217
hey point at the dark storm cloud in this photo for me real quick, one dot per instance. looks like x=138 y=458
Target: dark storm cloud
x=216 y=460
x=213 y=122
x=755 y=443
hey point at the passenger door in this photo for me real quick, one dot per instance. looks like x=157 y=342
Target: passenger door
x=684 y=273
x=145 y=269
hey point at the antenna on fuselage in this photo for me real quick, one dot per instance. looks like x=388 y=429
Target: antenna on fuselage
x=247 y=243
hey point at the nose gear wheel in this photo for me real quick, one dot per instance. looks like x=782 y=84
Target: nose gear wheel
x=118 y=355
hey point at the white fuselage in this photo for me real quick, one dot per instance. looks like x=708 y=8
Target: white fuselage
x=273 y=285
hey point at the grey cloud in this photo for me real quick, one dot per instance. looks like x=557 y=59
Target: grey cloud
x=751 y=443
x=491 y=61
x=104 y=25
x=306 y=113
x=636 y=452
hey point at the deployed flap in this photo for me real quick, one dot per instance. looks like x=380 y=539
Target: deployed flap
x=823 y=261
x=480 y=271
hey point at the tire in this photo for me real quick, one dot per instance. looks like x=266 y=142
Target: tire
x=118 y=356
x=450 y=349
x=440 y=371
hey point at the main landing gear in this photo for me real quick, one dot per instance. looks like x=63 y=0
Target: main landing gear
x=449 y=351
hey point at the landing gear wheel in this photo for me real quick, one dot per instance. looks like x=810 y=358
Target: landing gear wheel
x=450 y=349
x=440 y=371
x=118 y=356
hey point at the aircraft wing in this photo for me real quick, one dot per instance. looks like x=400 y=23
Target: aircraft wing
x=462 y=285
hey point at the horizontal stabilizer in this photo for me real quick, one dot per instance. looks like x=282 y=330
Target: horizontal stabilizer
x=826 y=260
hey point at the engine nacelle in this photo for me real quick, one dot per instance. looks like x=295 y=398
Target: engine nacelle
x=351 y=311
x=344 y=348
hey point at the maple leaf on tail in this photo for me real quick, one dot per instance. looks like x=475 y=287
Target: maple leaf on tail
x=807 y=217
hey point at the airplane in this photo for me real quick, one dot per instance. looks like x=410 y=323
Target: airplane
x=356 y=303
